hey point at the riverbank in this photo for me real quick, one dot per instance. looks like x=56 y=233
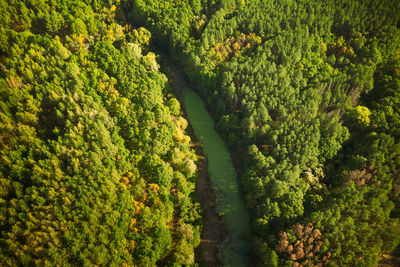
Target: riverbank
x=234 y=250
x=213 y=231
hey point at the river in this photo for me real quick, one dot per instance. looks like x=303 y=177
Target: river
x=236 y=248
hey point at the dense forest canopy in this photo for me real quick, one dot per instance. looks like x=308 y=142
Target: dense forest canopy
x=309 y=90
x=96 y=166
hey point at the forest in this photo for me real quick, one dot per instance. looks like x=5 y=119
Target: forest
x=96 y=167
x=96 y=164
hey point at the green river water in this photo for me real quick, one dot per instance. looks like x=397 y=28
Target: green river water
x=235 y=252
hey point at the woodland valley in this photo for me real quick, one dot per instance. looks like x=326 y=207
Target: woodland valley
x=200 y=133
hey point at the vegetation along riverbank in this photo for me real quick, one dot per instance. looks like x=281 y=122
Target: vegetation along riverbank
x=283 y=148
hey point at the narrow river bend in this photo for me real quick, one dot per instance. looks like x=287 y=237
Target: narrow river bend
x=235 y=250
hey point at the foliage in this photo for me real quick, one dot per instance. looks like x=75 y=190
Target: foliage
x=96 y=167
x=87 y=127
x=314 y=102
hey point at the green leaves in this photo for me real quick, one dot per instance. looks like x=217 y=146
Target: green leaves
x=85 y=134
x=359 y=116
